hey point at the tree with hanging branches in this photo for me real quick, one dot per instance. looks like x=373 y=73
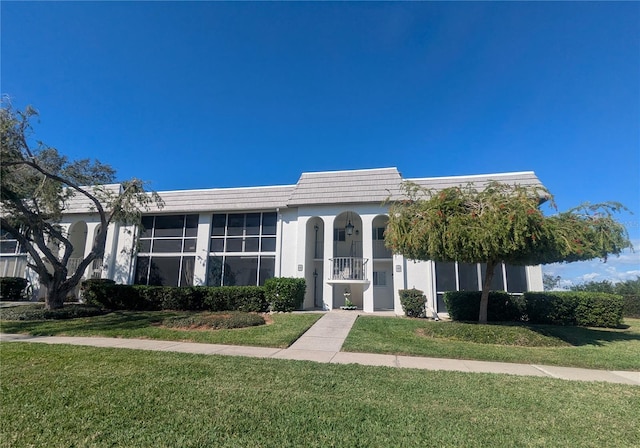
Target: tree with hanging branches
x=37 y=185
x=500 y=223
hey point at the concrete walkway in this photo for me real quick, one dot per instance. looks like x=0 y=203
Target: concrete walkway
x=322 y=343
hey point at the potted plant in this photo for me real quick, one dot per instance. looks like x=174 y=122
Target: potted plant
x=348 y=304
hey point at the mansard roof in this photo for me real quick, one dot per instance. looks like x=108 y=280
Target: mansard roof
x=314 y=188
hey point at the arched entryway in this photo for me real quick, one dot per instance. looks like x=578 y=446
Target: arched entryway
x=382 y=281
x=78 y=239
x=348 y=268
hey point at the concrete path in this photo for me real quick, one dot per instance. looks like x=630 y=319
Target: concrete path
x=322 y=343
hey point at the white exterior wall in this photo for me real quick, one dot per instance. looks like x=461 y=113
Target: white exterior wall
x=287 y=245
x=534 y=278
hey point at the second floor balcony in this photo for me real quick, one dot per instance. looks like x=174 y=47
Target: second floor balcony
x=348 y=270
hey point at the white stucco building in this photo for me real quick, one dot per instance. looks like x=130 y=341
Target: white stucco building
x=327 y=228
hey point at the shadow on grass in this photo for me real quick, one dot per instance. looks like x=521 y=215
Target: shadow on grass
x=117 y=320
x=579 y=336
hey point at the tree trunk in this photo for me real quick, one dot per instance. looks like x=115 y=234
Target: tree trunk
x=54 y=300
x=56 y=291
x=486 y=286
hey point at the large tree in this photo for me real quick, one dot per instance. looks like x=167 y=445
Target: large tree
x=37 y=184
x=500 y=223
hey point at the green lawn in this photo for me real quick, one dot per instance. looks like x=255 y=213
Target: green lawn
x=62 y=396
x=597 y=348
x=284 y=330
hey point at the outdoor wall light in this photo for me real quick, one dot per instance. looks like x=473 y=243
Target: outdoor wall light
x=349 y=227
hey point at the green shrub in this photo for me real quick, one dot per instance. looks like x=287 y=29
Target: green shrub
x=631 y=307
x=13 y=288
x=465 y=306
x=107 y=294
x=214 y=321
x=598 y=310
x=550 y=307
x=37 y=312
x=285 y=294
x=586 y=309
x=413 y=302
x=94 y=290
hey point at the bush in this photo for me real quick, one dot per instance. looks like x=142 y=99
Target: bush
x=413 y=302
x=631 y=307
x=465 y=306
x=94 y=290
x=37 y=312
x=215 y=321
x=13 y=288
x=587 y=309
x=550 y=308
x=107 y=294
x=598 y=310
x=285 y=294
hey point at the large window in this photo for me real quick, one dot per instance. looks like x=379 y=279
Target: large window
x=468 y=277
x=9 y=244
x=242 y=249
x=165 y=250
x=13 y=259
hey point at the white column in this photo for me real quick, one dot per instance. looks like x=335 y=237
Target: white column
x=125 y=254
x=202 y=249
x=367 y=254
x=110 y=250
x=327 y=289
x=399 y=282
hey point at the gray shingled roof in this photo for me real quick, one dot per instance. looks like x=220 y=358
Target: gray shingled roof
x=525 y=178
x=328 y=187
x=340 y=187
x=81 y=204
x=222 y=199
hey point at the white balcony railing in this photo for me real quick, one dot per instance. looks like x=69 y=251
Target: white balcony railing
x=349 y=268
x=94 y=270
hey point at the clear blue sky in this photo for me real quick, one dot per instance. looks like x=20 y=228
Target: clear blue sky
x=211 y=94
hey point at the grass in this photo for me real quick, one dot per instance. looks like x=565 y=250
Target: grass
x=61 y=396
x=284 y=330
x=596 y=348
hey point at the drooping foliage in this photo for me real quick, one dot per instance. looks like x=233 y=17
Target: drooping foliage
x=37 y=185
x=500 y=223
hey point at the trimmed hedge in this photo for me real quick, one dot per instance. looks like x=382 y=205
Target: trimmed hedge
x=465 y=306
x=285 y=294
x=194 y=298
x=631 y=306
x=13 y=288
x=585 y=309
x=413 y=302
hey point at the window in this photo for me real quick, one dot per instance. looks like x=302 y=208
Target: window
x=339 y=235
x=468 y=277
x=242 y=249
x=379 y=278
x=243 y=232
x=164 y=251
x=9 y=244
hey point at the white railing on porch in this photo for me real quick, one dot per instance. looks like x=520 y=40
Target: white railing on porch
x=348 y=268
x=94 y=270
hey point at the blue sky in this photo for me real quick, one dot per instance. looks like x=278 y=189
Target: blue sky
x=216 y=94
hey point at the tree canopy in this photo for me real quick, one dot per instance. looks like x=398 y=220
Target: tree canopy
x=500 y=223
x=37 y=184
